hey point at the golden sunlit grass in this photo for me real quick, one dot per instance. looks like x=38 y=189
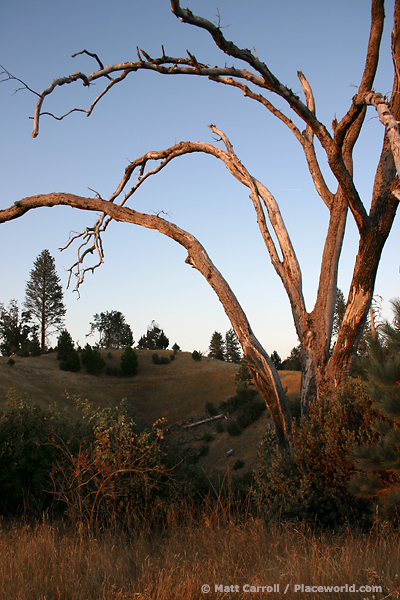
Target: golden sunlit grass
x=192 y=547
x=44 y=562
x=177 y=391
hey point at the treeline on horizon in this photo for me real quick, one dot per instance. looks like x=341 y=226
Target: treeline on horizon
x=343 y=467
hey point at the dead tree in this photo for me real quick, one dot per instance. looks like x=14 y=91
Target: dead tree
x=321 y=373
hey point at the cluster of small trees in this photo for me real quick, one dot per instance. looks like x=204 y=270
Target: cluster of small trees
x=25 y=333
x=227 y=348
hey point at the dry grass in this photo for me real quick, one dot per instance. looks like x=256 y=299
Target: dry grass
x=45 y=562
x=176 y=391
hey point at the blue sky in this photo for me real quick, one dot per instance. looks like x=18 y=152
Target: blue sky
x=144 y=274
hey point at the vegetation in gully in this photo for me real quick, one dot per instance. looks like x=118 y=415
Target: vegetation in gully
x=123 y=505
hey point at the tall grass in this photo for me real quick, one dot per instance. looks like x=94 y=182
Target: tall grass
x=45 y=561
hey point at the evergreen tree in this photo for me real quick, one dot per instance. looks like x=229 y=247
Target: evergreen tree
x=232 y=347
x=129 y=362
x=114 y=331
x=244 y=374
x=67 y=354
x=91 y=359
x=44 y=296
x=340 y=309
x=379 y=462
x=216 y=348
x=276 y=359
x=293 y=361
x=155 y=338
x=14 y=329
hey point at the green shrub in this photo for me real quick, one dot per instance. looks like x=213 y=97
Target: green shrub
x=233 y=428
x=24 y=352
x=196 y=355
x=160 y=360
x=238 y=464
x=11 y=362
x=295 y=407
x=29 y=449
x=219 y=428
x=207 y=437
x=203 y=450
x=129 y=362
x=123 y=470
x=109 y=355
x=72 y=363
x=311 y=482
x=112 y=371
x=250 y=412
x=92 y=360
x=65 y=345
x=211 y=410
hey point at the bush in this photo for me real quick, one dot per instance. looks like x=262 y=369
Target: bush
x=250 y=412
x=92 y=361
x=72 y=363
x=211 y=410
x=196 y=355
x=207 y=437
x=66 y=353
x=160 y=360
x=123 y=470
x=219 y=428
x=129 y=362
x=11 y=362
x=311 y=482
x=233 y=428
x=238 y=464
x=203 y=450
x=24 y=352
x=29 y=448
x=65 y=345
x=112 y=371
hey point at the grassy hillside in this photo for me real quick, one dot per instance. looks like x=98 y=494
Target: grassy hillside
x=177 y=391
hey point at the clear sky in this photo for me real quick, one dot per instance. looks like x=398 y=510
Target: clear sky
x=144 y=274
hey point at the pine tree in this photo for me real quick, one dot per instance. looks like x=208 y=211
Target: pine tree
x=129 y=362
x=44 y=296
x=232 y=347
x=340 y=309
x=379 y=463
x=276 y=359
x=244 y=374
x=155 y=338
x=216 y=348
x=66 y=353
x=92 y=360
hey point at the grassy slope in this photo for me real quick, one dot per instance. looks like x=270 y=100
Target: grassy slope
x=176 y=391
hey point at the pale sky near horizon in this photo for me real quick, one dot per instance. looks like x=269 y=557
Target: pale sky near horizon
x=144 y=275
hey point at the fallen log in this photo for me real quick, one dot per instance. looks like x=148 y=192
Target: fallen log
x=204 y=421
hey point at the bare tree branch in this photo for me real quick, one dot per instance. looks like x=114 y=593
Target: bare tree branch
x=260 y=364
